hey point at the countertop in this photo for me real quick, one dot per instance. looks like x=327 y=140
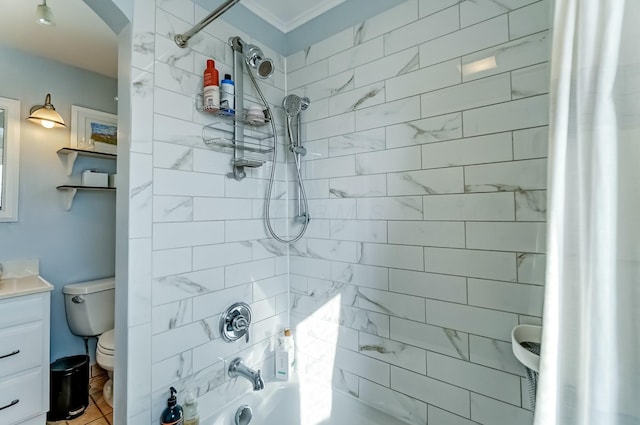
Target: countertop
x=15 y=287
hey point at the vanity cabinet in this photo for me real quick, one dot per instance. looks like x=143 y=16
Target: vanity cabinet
x=24 y=359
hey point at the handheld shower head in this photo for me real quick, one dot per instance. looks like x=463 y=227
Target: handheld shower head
x=255 y=59
x=293 y=104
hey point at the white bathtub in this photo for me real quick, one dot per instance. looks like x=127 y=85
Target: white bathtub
x=289 y=403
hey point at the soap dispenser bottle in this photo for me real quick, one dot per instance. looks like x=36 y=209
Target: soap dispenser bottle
x=191 y=416
x=172 y=415
x=284 y=355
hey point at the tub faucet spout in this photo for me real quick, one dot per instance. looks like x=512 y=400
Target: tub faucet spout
x=237 y=367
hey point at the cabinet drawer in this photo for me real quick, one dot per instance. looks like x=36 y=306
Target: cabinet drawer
x=19 y=310
x=21 y=396
x=21 y=348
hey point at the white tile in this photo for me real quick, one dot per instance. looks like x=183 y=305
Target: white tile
x=362 y=141
x=316 y=149
x=393 y=208
x=356 y=56
x=359 y=98
x=398 y=354
x=432 y=338
x=530 y=19
x=172 y=208
x=169 y=371
x=467 y=40
x=330 y=167
x=314 y=267
x=360 y=275
x=496 y=384
x=423 y=30
x=170 y=316
x=392 y=402
x=388 y=20
x=358 y=187
x=268 y=288
x=474 y=320
x=167 y=51
x=397 y=256
x=465 y=262
x=359 y=230
x=185 y=337
x=395 y=112
x=506 y=176
x=429 y=7
x=171 y=261
x=442 y=417
x=339 y=209
x=513 y=297
x=387 y=67
x=424 y=80
x=473 y=11
x=178 y=235
x=473 y=150
x=364 y=366
x=426 y=182
x=330 y=46
x=480 y=206
x=179 y=8
x=308 y=74
x=205 y=257
x=427 y=233
x=487 y=410
x=141 y=188
x=393 y=304
x=221 y=208
x=495 y=354
x=515 y=115
x=247 y=188
x=429 y=130
x=530 y=81
x=429 y=285
x=214 y=303
x=184 y=183
x=468 y=95
x=532 y=268
x=333 y=250
x=175 y=157
x=167 y=289
x=212 y=162
x=521 y=237
x=139 y=288
x=401 y=159
x=506 y=57
x=530 y=143
x=139 y=341
x=248 y=272
x=176 y=79
x=172 y=104
x=434 y=392
x=243 y=230
x=329 y=86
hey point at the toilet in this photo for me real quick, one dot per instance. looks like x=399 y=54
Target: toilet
x=90 y=308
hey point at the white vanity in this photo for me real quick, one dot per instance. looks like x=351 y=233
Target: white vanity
x=24 y=344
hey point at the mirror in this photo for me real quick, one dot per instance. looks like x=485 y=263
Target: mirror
x=9 y=158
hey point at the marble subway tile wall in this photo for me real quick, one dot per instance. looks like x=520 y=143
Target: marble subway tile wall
x=197 y=239
x=427 y=137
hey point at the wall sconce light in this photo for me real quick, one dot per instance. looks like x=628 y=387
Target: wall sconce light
x=44 y=14
x=46 y=115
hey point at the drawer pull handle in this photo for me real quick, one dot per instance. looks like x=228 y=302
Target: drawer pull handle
x=13 y=353
x=13 y=403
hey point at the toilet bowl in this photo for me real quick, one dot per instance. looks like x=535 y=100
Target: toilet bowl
x=90 y=308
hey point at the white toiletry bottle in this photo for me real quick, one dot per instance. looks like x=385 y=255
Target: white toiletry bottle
x=284 y=355
x=190 y=407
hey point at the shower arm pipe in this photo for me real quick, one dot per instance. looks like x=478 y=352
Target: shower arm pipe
x=182 y=40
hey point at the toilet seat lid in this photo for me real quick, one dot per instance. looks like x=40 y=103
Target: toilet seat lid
x=106 y=340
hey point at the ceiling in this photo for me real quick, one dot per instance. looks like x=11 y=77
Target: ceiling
x=287 y=15
x=80 y=38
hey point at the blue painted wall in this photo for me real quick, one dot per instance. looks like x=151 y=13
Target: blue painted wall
x=74 y=245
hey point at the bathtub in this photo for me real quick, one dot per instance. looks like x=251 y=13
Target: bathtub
x=289 y=403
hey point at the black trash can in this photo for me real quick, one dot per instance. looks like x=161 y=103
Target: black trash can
x=69 y=387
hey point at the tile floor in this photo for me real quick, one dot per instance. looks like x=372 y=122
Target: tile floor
x=98 y=412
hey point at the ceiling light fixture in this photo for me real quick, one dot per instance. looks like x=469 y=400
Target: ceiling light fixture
x=44 y=14
x=46 y=115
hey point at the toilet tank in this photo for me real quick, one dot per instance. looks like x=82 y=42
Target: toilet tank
x=90 y=306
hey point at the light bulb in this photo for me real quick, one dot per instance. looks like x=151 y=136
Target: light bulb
x=47 y=124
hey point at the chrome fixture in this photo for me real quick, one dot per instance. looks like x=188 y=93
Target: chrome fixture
x=235 y=322
x=182 y=40
x=46 y=115
x=44 y=15
x=244 y=414
x=237 y=367
x=254 y=58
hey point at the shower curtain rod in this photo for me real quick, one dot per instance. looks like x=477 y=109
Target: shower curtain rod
x=182 y=39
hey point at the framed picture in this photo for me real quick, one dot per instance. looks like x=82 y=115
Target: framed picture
x=93 y=130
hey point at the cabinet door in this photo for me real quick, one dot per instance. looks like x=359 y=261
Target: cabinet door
x=21 y=396
x=21 y=348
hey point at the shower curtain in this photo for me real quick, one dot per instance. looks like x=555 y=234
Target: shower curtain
x=590 y=362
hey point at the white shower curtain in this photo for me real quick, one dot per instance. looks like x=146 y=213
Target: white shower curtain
x=590 y=363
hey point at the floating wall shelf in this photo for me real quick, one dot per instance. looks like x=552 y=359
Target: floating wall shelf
x=72 y=190
x=72 y=154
